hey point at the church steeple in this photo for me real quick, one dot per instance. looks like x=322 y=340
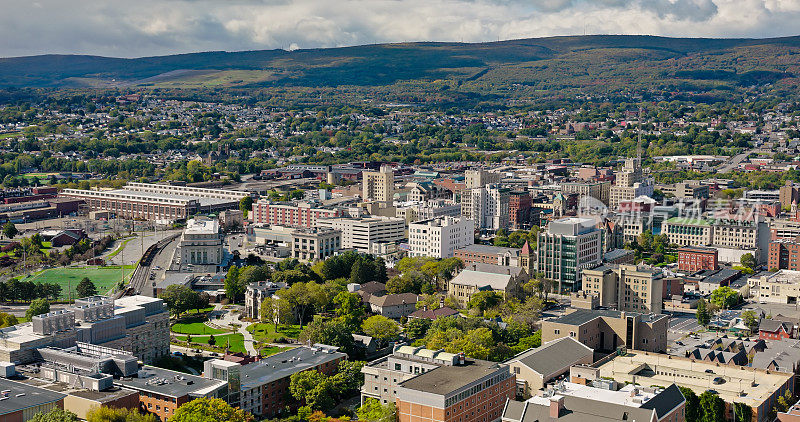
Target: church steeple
x=526 y=258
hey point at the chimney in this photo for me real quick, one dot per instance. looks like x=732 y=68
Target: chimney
x=556 y=404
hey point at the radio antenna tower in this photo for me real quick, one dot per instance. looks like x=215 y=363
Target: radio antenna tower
x=639 y=143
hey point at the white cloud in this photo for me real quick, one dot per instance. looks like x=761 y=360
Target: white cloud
x=127 y=28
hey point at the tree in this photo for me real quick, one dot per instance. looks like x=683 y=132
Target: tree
x=37 y=307
x=484 y=300
x=10 y=230
x=209 y=410
x=245 y=205
x=275 y=310
x=7 y=320
x=703 y=315
x=749 y=261
x=750 y=319
x=113 y=414
x=742 y=412
x=211 y=340
x=373 y=411
x=417 y=328
x=381 y=328
x=86 y=288
x=304 y=298
x=309 y=386
x=179 y=299
x=724 y=297
x=348 y=377
x=349 y=307
x=692 y=404
x=712 y=407
x=55 y=415
x=333 y=332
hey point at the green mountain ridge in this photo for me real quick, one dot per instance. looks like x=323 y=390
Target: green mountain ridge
x=572 y=64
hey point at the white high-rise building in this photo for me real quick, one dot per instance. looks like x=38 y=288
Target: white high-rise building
x=440 y=237
x=630 y=183
x=487 y=206
x=479 y=178
x=378 y=185
x=360 y=233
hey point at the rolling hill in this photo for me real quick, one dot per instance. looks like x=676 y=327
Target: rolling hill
x=526 y=67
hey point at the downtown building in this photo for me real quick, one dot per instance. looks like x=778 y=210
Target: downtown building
x=361 y=233
x=139 y=325
x=487 y=206
x=300 y=215
x=731 y=236
x=568 y=246
x=440 y=237
x=625 y=287
x=378 y=186
x=630 y=184
x=146 y=201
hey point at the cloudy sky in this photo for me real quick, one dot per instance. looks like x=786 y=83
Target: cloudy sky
x=134 y=28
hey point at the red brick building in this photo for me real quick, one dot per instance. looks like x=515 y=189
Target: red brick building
x=519 y=210
x=770 y=329
x=697 y=258
x=783 y=254
x=487 y=254
x=474 y=392
x=290 y=215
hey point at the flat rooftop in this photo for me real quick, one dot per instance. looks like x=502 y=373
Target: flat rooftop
x=23 y=396
x=741 y=384
x=582 y=316
x=168 y=383
x=447 y=379
x=285 y=364
x=202 y=226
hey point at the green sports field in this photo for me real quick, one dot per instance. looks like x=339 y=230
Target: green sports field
x=105 y=278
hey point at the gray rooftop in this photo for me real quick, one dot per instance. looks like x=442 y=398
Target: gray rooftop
x=286 y=363
x=166 y=382
x=582 y=316
x=488 y=249
x=23 y=396
x=554 y=356
x=447 y=379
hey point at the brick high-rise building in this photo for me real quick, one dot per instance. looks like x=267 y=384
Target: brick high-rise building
x=783 y=254
x=519 y=210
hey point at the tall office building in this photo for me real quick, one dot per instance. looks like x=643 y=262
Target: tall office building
x=440 y=237
x=568 y=246
x=487 y=206
x=378 y=185
x=361 y=233
x=626 y=287
x=479 y=178
x=630 y=183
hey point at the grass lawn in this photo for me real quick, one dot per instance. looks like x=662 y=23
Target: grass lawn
x=237 y=342
x=195 y=325
x=266 y=332
x=104 y=278
x=120 y=248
